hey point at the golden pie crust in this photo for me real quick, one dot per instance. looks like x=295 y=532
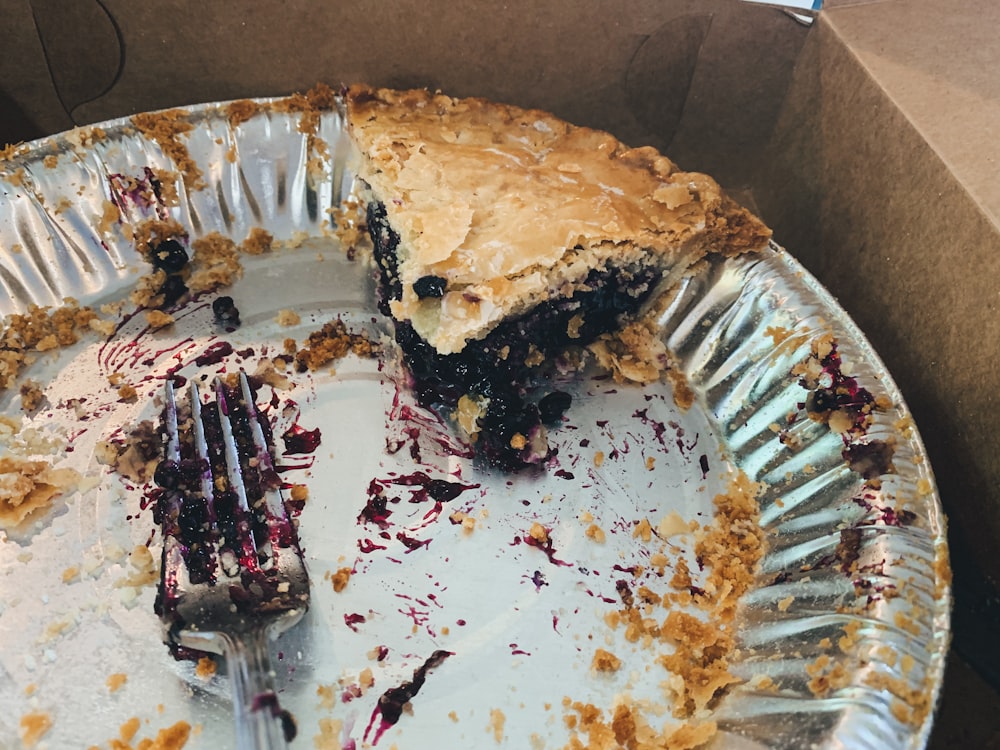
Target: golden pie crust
x=513 y=206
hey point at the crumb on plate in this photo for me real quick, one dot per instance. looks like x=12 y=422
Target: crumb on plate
x=34 y=726
x=340 y=579
x=205 y=668
x=287 y=318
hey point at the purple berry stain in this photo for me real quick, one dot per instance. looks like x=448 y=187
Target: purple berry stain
x=545 y=546
x=297 y=439
x=390 y=704
x=214 y=354
x=422 y=488
x=353 y=620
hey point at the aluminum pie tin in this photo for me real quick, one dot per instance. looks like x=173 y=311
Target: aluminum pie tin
x=841 y=641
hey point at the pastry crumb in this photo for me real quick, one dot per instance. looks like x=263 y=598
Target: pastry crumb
x=206 y=668
x=605 y=661
x=157 y=319
x=216 y=262
x=340 y=579
x=36 y=330
x=34 y=726
x=332 y=342
x=103 y=327
x=329 y=734
x=135 y=456
x=145 y=570
x=32 y=395
x=240 y=111
x=257 y=242
x=467 y=522
x=327 y=696
x=497 y=721
x=109 y=218
x=174 y=737
x=28 y=489
x=166 y=129
x=596 y=533
x=539 y=533
x=827 y=675
x=365 y=678
x=643 y=530
x=350 y=227
x=287 y=318
x=671 y=525
x=129 y=729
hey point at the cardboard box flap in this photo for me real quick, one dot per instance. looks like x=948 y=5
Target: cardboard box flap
x=83 y=65
x=31 y=105
x=939 y=67
x=880 y=214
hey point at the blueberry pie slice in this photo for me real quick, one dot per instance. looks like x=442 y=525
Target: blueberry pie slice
x=510 y=242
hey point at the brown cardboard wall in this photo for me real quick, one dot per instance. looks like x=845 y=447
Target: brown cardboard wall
x=861 y=198
x=633 y=68
x=31 y=105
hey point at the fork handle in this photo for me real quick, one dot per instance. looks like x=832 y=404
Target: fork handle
x=260 y=721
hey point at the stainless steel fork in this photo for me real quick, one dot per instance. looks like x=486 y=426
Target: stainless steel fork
x=232 y=574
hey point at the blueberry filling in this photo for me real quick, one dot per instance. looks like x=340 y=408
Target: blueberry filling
x=394 y=701
x=225 y=311
x=384 y=242
x=552 y=406
x=170 y=256
x=430 y=286
x=495 y=371
x=173 y=289
x=168 y=474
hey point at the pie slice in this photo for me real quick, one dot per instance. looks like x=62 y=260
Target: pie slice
x=509 y=241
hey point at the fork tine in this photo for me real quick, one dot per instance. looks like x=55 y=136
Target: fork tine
x=172 y=557
x=281 y=535
x=171 y=501
x=201 y=450
x=247 y=545
x=274 y=505
x=173 y=451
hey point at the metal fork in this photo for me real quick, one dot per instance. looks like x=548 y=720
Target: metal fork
x=232 y=573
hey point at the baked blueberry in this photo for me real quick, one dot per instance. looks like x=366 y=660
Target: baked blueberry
x=553 y=406
x=430 y=286
x=225 y=311
x=170 y=256
x=167 y=474
x=173 y=289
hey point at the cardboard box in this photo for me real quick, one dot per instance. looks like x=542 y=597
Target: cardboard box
x=880 y=176
x=867 y=140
